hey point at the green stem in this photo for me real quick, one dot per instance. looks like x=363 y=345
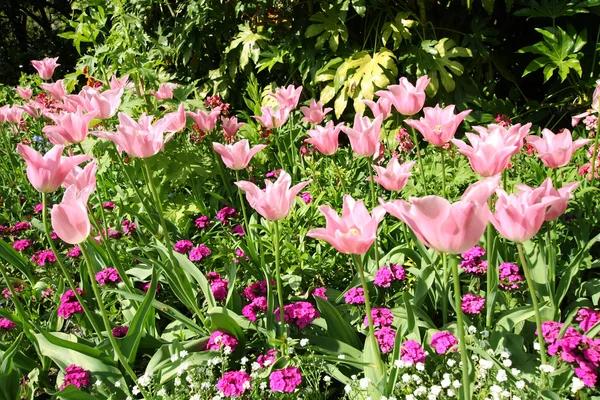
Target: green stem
x=15 y=299
x=217 y=159
x=416 y=142
x=594 y=155
x=278 y=278
x=374 y=204
x=551 y=265
x=445 y=288
x=492 y=275
x=444 y=193
x=107 y=325
x=466 y=379
x=534 y=300
x=247 y=233
x=65 y=272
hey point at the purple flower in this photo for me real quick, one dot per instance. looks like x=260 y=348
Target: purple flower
x=129 y=227
x=355 y=296
x=587 y=318
x=234 y=383
x=219 y=340
x=472 y=304
x=109 y=205
x=76 y=376
x=285 y=380
x=224 y=213
x=202 y=222
x=472 y=262
x=250 y=311
x=108 y=275
x=273 y=174
x=301 y=313
x=65 y=310
x=320 y=292
x=74 y=252
x=412 y=352
x=120 y=331
x=239 y=254
x=145 y=286
x=398 y=271
x=238 y=230
x=510 y=277
x=386 y=337
x=381 y=317
x=199 y=253
x=383 y=277
x=7 y=325
x=443 y=341
x=264 y=360
x=42 y=257
x=218 y=285
x=22 y=244
x=183 y=246
x=257 y=289
x=306 y=197
x=38 y=208
x=20 y=226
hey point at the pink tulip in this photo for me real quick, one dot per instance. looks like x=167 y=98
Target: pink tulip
x=445 y=227
x=13 y=114
x=165 y=91
x=24 y=93
x=519 y=217
x=596 y=97
x=325 y=139
x=237 y=156
x=556 y=150
x=174 y=121
x=287 y=97
x=206 y=121
x=120 y=83
x=30 y=108
x=56 y=89
x=315 y=112
x=82 y=178
x=70 y=127
x=577 y=118
x=273 y=118
x=106 y=103
x=275 y=201
x=513 y=136
x=405 y=97
x=70 y=218
x=439 y=124
x=45 y=67
x=352 y=233
x=3 y=111
x=394 y=176
x=383 y=106
x=46 y=173
x=138 y=139
x=231 y=126
x=364 y=135
x=559 y=207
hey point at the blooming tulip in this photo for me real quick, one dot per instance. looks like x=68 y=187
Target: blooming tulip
x=352 y=233
x=70 y=127
x=45 y=67
x=596 y=97
x=56 y=89
x=120 y=83
x=405 y=97
x=325 y=139
x=231 y=126
x=315 y=112
x=13 y=114
x=70 y=218
x=513 y=136
x=206 y=121
x=165 y=91
x=174 y=121
x=445 y=227
x=82 y=178
x=364 y=135
x=518 y=217
x=489 y=153
x=273 y=118
x=565 y=194
x=24 y=93
x=394 y=176
x=383 y=106
x=46 y=173
x=439 y=124
x=237 y=156
x=556 y=150
x=139 y=139
x=106 y=103
x=287 y=97
x=275 y=201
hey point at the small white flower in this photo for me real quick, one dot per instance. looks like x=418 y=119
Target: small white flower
x=135 y=390
x=420 y=391
x=405 y=378
x=255 y=366
x=353 y=377
x=536 y=346
x=516 y=398
x=189 y=379
x=195 y=397
x=304 y=342
x=183 y=353
x=246 y=385
x=399 y=363
x=489 y=351
x=486 y=364
x=505 y=354
x=347 y=389
x=445 y=383
x=177 y=381
x=501 y=376
x=474 y=357
x=410 y=397
x=485 y=333
x=520 y=384
x=576 y=385
x=507 y=363
x=205 y=385
x=342 y=356
x=451 y=362
x=243 y=360
x=435 y=389
x=505 y=394
x=484 y=344
x=227 y=350
x=182 y=368
x=420 y=366
x=417 y=379
x=174 y=357
x=515 y=371
x=162 y=392
x=98 y=383
x=495 y=389
x=217 y=397
x=546 y=368
x=128 y=398
x=472 y=330
x=327 y=378
x=118 y=384
x=450 y=393
x=263 y=385
x=364 y=383
x=456 y=384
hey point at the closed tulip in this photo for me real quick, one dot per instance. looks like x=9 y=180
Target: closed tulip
x=237 y=156
x=231 y=126
x=394 y=176
x=407 y=98
x=364 y=135
x=564 y=194
x=352 y=233
x=315 y=112
x=46 y=173
x=45 y=67
x=287 y=97
x=24 y=93
x=70 y=218
x=82 y=178
x=556 y=150
x=56 y=89
x=70 y=127
x=275 y=201
x=325 y=139
x=383 y=106
x=439 y=125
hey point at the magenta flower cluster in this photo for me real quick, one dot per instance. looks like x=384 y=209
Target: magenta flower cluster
x=472 y=262
x=386 y=275
x=107 y=276
x=6 y=324
x=443 y=341
x=218 y=285
x=319 y=292
x=74 y=252
x=301 y=313
x=225 y=213
x=472 y=304
x=219 y=340
x=509 y=276
x=355 y=296
x=412 y=352
x=183 y=246
x=269 y=358
x=120 y=331
x=42 y=257
x=202 y=222
x=285 y=380
x=76 y=376
x=386 y=337
x=69 y=304
x=587 y=318
x=258 y=305
x=20 y=226
x=257 y=289
x=234 y=383
x=381 y=317
x=22 y=244
x=199 y=253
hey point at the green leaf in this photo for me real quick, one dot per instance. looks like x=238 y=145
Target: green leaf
x=73 y=393
x=7 y=358
x=337 y=327
x=398 y=30
x=13 y=258
x=251 y=42
x=375 y=371
x=441 y=55
x=223 y=321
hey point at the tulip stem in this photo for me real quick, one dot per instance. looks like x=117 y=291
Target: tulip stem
x=65 y=272
x=444 y=193
x=466 y=379
x=594 y=155
x=551 y=266
x=243 y=205
x=534 y=301
x=374 y=202
x=416 y=140
x=445 y=288
x=107 y=325
x=278 y=278
x=492 y=275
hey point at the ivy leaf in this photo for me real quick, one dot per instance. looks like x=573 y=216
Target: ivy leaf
x=398 y=30
x=559 y=51
x=436 y=59
x=251 y=42
x=329 y=27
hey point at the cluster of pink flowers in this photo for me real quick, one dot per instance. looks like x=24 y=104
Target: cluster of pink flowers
x=386 y=337
x=319 y=292
x=301 y=313
x=129 y=227
x=234 y=383
x=574 y=348
x=285 y=380
x=17 y=287
x=202 y=222
x=199 y=253
x=76 y=376
x=6 y=324
x=306 y=197
x=386 y=275
x=42 y=257
x=257 y=289
x=510 y=277
x=472 y=304
x=412 y=352
x=239 y=255
x=20 y=226
x=108 y=275
x=269 y=358
x=69 y=304
x=258 y=305
x=183 y=246
x=109 y=205
x=381 y=317
x=443 y=341
x=218 y=285
x=355 y=295
x=587 y=318
x=404 y=141
x=145 y=286
x=238 y=230
x=221 y=340
x=472 y=262
x=120 y=331
x=22 y=244
x=225 y=213
x=74 y=252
